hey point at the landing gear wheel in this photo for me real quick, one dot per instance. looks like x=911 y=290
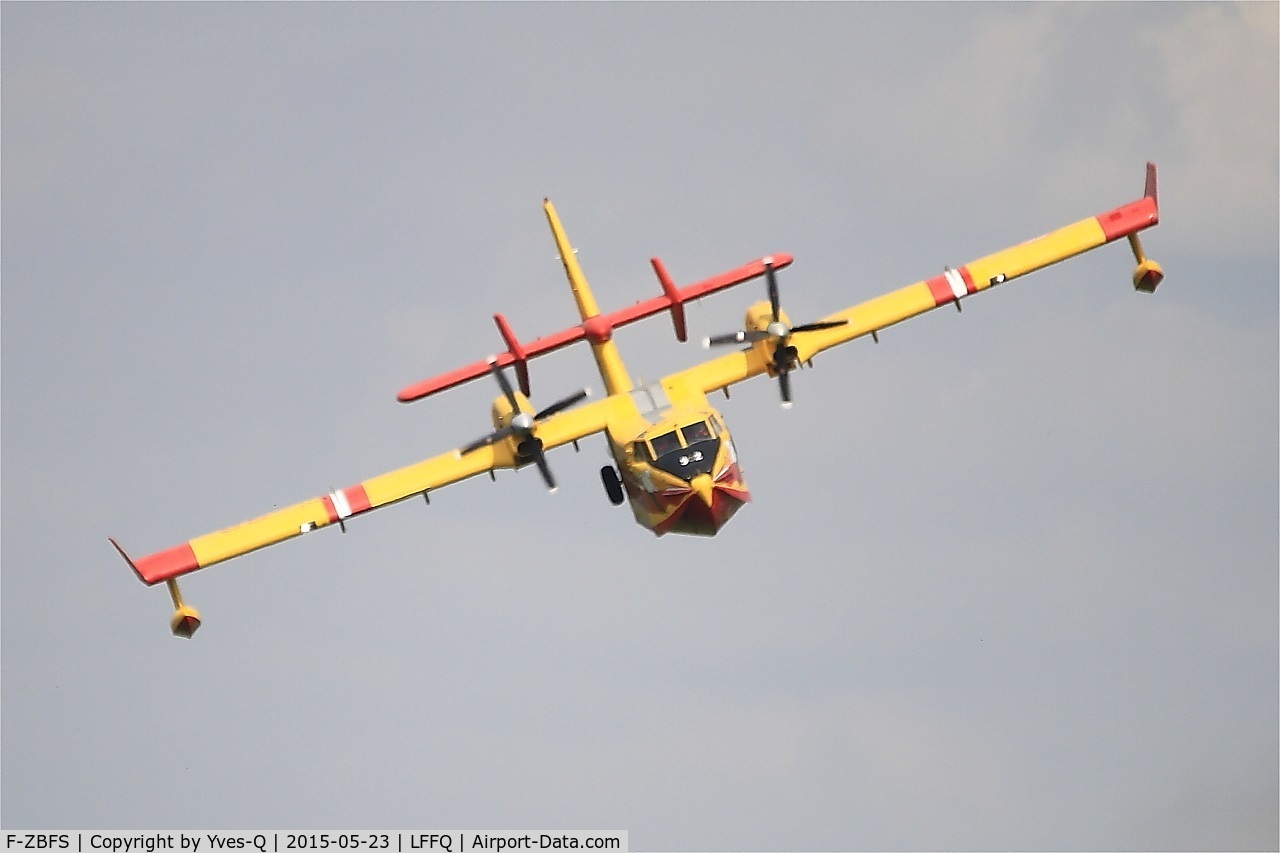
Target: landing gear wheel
x=612 y=485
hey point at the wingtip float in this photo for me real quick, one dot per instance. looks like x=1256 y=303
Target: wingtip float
x=1148 y=274
x=186 y=619
x=673 y=459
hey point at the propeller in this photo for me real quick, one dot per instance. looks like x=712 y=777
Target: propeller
x=784 y=355
x=523 y=425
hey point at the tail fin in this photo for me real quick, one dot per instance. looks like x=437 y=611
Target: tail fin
x=587 y=307
x=598 y=330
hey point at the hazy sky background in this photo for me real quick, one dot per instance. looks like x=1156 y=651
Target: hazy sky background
x=1009 y=579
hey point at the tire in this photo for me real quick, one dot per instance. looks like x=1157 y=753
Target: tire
x=612 y=485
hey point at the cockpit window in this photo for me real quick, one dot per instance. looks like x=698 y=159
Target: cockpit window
x=641 y=451
x=665 y=443
x=696 y=432
x=687 y=452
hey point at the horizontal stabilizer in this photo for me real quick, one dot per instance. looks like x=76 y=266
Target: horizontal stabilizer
x=518 y=354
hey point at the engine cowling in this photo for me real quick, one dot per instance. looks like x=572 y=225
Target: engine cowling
x=502 y=412
x=769 y=331
x=759 y=318
x=515 y=422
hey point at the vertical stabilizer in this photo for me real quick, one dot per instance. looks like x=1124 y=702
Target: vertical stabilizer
x=599 y=330
x=587 y=307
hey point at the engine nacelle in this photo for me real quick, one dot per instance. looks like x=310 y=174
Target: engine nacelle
x=501 y=412
x=1147 y=276
x=759 y=318
x=760 y=315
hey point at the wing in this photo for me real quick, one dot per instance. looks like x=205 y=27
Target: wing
x=337 y=506
x=951 y=286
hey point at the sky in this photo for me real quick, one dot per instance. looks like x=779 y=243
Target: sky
x=1009 y=579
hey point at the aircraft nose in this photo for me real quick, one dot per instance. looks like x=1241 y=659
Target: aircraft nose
x=704 y=487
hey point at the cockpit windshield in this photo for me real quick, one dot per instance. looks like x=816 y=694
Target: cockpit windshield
x=696 y=432
x=686 y=452
x=665 y=443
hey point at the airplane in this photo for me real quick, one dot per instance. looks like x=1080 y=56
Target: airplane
x=674 y=459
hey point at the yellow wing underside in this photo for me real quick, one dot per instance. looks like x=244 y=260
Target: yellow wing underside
x=291 y=521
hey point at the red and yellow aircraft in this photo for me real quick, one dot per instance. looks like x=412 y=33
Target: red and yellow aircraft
x=676 y=463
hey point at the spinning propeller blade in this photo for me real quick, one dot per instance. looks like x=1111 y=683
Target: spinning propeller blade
x=772 y=281
x=736 y=338
x=540 y=459
x=816 y=327
x=560 y=405
x=784 y=386
x=784 y=355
